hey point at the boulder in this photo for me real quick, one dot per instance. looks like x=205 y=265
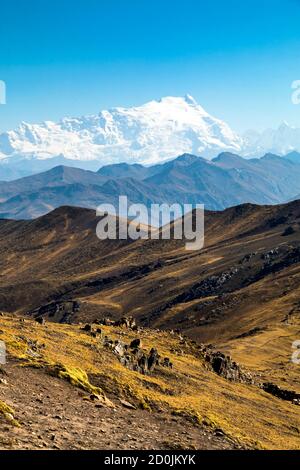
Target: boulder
x=87 y=327
x=119 y=348
x=133 y=357
x=153 y=359
x=126 y=404
x=143 y=365
x=136 y=343
x=224 y=366
x=167 y=363
x=128 y=322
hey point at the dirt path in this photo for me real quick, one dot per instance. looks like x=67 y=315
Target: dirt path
x=54 y=415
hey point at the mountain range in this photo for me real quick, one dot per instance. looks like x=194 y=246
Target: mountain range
x=225 y=181
x=64 y=292
x=149 y=134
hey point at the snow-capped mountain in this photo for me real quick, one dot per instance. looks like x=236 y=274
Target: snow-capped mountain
x=152 y=133
x=279 y=141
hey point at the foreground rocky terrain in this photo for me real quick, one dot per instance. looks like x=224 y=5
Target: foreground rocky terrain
x=196 y=344
x=70 y=387
x=53 y=415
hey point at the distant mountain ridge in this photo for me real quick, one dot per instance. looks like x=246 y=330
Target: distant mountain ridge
x=149 y=134
x=225 y=181
x=152 y=133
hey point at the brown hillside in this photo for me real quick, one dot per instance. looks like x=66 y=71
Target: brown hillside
x=240 y=292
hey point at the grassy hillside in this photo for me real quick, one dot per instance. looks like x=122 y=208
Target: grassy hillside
x=246 y=415
x=240 y=293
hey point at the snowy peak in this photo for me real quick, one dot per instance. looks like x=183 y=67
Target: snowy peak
x=152 y=133
x=280 y=141
x=190 y=100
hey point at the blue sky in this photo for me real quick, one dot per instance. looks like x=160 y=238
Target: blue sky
x=238 y=59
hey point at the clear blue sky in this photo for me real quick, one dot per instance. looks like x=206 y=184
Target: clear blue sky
x=238 y=59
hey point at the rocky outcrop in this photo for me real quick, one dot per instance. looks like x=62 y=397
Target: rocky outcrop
x=92 y=329
x=61 y=310
x=135 y=358
x=136 y=343
x=224 y=366
x=127 y=322
x=34 y=348
x=276 y=391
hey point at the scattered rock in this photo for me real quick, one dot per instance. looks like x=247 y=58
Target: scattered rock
x=62 y=310
x=128 y=322
x=106 y=322
x=167 y=363
x=224 y=366
x=276 y=391
x=119 y=348
x=99 y=405
x=88 y=328
x=34 y=348
x=126 y=404
x=3 y=371
x=219 y=432
x=269 y=255
x=92 y=329
x=153 y=359
x=248 y=257
x=252 y=332
x=288 y=231
x=134 y=358
x=94 y=397
x=136 y=343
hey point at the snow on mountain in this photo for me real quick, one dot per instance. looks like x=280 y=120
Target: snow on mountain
x=151 y=133
x=279 y=141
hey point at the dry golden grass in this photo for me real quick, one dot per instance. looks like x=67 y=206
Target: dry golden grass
x=158 y=283
x=8 y=413
x=243 y=412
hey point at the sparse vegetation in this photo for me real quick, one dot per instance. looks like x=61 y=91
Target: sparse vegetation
x=8 y=413
x=241 y=293
x=189 y=390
